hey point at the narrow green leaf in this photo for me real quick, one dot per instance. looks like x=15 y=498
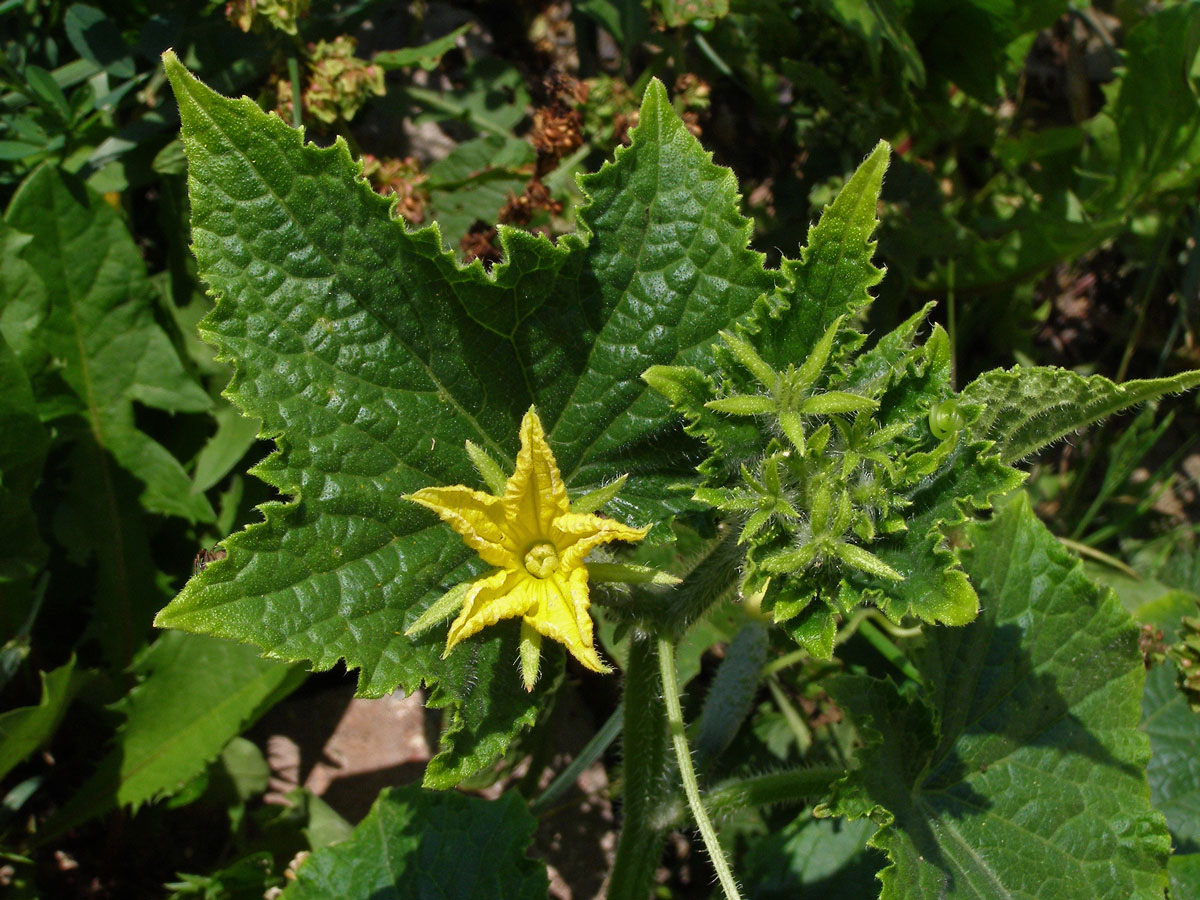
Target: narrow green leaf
x=427 y=56
x=814 y=361
x=46 y=89
x=749 y=358
x=742 y=405
x=421 y=845
x=834 y=273
x=1021 y=773
x=76 y=303
x=26 y=728
x=440 y=609
x=627 y=573
x=594 y=500
x=196 y=693
x=10 y=150
x=1026 y=409
x=866 y=561
x=832 y=402
x=488 y=469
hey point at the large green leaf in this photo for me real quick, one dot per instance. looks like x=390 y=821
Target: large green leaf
x=1026 y=409
x=419 y=845
x=371 y=357
x=196 y=693
x=77 y=309
x=1019 y=771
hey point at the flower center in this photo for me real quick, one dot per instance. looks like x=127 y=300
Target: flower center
x=541 y=561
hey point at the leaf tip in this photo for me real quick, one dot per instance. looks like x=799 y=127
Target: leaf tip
x=175 y=70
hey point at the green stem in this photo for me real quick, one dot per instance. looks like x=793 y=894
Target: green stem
x=589 y=754
x=683 y=754
x=645 y=749
x=293 y=65
x=887 y=649
x=794 y=786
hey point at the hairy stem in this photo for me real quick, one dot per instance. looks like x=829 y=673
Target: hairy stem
x=666 y=665
x=792 y=786
x=645 y=748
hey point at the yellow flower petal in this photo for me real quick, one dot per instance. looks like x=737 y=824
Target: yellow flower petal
x=535 y=495
x=561 y=614
x=537 y=546
x=477 y=516
x=501 y=595
x=577 y=535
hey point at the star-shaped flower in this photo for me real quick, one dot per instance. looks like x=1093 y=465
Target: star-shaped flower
x=537 y=546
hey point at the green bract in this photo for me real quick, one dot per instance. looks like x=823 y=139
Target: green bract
x=849 y=469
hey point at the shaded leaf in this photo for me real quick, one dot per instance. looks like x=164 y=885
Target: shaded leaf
x=23 y=442
x=195 y=694
x=1019 y=771
x=1174 y=767
x=427 y=56
x=77 y=310
x=26 y=728
x=420 y=845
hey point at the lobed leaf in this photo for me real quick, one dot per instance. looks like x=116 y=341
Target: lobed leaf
x=988 y=783
x=834 y=273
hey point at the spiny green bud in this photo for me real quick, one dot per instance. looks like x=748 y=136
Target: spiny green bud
x=1186 y=654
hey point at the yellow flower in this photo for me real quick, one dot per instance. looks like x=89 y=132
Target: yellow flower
x=537 y=546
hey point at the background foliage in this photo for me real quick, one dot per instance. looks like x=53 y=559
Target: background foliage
x=1041 y=189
